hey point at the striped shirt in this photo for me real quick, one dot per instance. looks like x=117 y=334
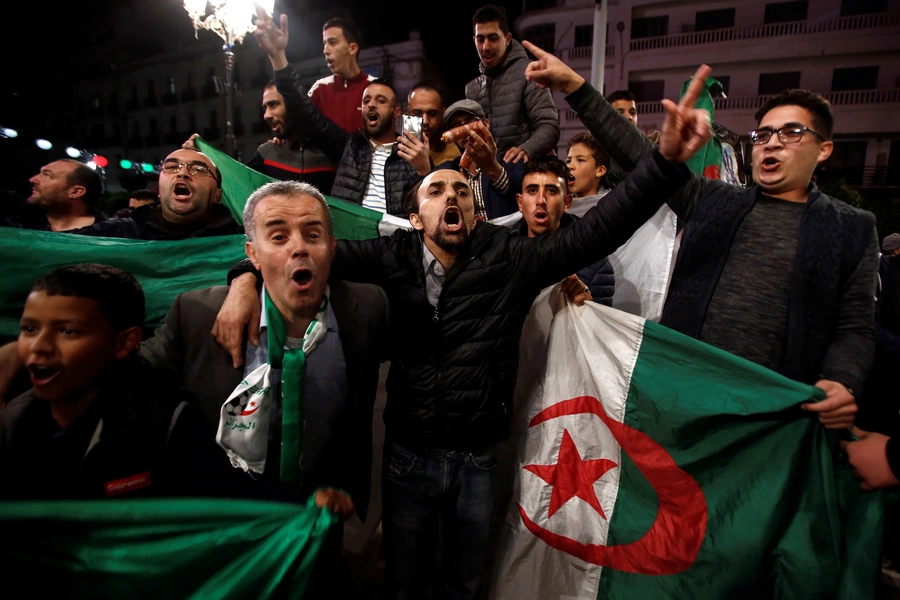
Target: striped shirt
x=475 y=183
x=375 y=197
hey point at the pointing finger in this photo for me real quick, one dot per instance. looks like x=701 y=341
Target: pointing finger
x=284 y=23
x=535 y=50
x=697 y=85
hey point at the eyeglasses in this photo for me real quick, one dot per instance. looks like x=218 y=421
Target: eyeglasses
x=787 y=135
x=193 y=169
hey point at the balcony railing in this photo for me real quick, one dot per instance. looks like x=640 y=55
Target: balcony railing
x=763 y=31
x=586 y=52
x=754 y=102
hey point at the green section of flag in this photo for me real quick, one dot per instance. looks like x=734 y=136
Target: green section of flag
x=710 y=155
x=164 y=269
x=730 y=424
x=351 y=221
x=211 y=549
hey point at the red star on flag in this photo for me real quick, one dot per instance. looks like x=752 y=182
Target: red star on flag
x=571 y=476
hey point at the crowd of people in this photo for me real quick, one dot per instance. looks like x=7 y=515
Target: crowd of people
x=278 y=402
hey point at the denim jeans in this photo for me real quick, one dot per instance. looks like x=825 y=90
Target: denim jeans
x=420 y=488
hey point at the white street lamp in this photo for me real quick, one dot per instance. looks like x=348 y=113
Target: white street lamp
x=73 y=152
x=8 y=132
x=43 y=144
x=231 y=20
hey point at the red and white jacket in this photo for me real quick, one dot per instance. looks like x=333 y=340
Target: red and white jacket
x=340 y=99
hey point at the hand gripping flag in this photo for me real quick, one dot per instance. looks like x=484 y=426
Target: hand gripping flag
x=646 y=464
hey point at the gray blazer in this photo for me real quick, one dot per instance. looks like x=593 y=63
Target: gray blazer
x=184 y=345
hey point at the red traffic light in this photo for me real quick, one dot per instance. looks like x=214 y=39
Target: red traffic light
x=101 y=161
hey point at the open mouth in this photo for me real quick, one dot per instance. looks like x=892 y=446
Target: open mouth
x=452 y=218
x=770 y=163
x=42 y=374
x=571 y=179
x=372 y=118
x=302 y=278
x=541 y=216
x=181 y=191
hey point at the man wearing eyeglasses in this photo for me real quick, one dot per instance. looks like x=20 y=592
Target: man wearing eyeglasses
x=779 y=273
x=190 y=191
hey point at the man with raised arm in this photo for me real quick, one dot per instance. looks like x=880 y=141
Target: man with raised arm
x=780 y=273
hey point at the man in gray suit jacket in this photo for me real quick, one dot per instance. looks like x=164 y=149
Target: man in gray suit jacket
x=290 y=240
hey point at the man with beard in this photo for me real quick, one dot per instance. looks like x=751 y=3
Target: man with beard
x=63 y=196
x=459 y=295
x=524 y=117
x=376 y=168
x=426 y=100
x=290 y=155
x=190 y=189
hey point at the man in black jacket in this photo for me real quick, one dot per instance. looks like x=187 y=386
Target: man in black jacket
x=190 y=191
x=459 y=294
x=376 y=168
x=780 y=273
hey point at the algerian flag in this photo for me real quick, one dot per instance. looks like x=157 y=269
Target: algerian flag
x=646 y=464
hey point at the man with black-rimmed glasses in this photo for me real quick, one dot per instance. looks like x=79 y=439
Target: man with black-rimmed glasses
x=779 y=273
x=190 y=191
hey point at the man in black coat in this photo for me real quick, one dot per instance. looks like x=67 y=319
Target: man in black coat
x=779 y=274
x=460 y=293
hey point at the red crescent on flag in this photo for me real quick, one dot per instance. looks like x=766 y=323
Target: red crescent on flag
x=253 y=410
x=673 y=541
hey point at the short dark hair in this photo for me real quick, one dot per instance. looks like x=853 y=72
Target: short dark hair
x=87 y=178
x=350 y=31
x=411 y=203
x=818 y=107
x=385 y=83
x=548 y=164
x=621 y=95
x=587 y=140
x=271 y=84
x=118 y=294
x=490 y=13
x=144 y=195
x=430 y=84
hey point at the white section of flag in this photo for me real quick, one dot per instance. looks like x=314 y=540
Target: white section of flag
x=583 y=351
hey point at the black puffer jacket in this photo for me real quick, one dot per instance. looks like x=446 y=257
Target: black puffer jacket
x=352 y=151
x=521 y=113
x=453 y=367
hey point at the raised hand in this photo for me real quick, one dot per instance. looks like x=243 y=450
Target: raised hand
x=273 y=39
x=685 y=129
x=550 y=72
x=415 y=152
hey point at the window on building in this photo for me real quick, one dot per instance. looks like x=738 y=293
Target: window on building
x=785 y=12
x=172 y=85
x=584 y=36
x=95 y=102
x=542 y=36
x=649 y=27
x=854 y=78
x=714 y=19
x=862 y=7
x=539 y=4
x=648 y=91
x=775 y=83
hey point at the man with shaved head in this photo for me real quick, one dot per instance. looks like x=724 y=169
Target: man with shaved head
x=190 y=192
x=459 y=294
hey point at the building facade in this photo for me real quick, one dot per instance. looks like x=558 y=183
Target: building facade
x=846 y=50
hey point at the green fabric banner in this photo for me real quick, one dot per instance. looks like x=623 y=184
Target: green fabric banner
x=185 y=548
x=708 y=161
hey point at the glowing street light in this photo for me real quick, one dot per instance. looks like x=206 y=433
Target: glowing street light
x=73 y=152
x=231 y=20
x=8 y=132
x=125 y=163
x=91 y=164
x=43 y=144
x=147 y=167
x=101 y=161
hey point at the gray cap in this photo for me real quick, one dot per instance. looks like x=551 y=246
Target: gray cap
x=466 y=106
x=891 y=243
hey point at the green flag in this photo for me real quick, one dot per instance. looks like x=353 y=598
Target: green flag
x=185 y=548
x=708 y=160
x=650 y=465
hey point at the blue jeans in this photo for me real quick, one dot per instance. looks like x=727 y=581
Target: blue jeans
x=420 y=488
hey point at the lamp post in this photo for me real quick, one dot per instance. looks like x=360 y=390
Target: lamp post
x=231 y=20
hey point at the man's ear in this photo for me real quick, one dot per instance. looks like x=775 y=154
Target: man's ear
x=416 y=222
x=127 y=341
x=509 y=38
x=250 y=250
x=601 y=171
x=354 y=49
x=218 y=196
x=825 y=151
x=519 y=202
x=77 y=191
x=398 y=110
x=567 y=202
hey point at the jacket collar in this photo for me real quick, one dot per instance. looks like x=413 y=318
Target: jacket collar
x=514 y=52
x=151 y=216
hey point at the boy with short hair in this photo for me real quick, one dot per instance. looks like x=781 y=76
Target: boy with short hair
x=588 y=164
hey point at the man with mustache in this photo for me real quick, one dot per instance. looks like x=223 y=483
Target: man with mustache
x=459 y=294
x=376 y=168
x=190 y=191
x=780 y=273
x=426 y=100
x=524 y=117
